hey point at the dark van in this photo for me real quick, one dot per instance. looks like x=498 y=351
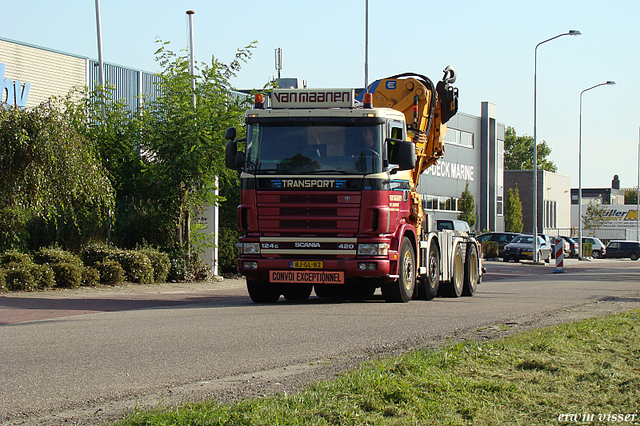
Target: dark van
x=622 y=248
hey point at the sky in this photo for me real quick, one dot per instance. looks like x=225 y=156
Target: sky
x=491 y=44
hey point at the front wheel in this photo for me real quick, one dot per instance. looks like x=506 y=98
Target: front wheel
x=402 y=289
x=634 y=256
x=262 y=291
x=597 y=254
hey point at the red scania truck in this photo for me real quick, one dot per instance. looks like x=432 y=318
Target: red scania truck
x=329 y=201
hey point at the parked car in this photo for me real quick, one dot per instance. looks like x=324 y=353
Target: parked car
x=453 y=225
x=573 y=246
x=598 y=248
x=623 y=248
x=521 y=247
x=502 y=238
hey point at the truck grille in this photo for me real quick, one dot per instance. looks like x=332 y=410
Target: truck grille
x=316 y=213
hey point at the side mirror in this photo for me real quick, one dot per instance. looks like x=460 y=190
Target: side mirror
x=406 y=155
x=231 y=151
x=230 y=133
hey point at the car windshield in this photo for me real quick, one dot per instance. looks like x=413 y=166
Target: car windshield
x=523 y=239
x=311 y=149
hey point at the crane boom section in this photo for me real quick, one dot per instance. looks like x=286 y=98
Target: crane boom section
x=415 y=100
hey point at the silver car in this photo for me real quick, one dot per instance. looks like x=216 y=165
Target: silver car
x=521 y=247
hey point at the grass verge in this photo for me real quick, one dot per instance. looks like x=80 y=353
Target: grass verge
x=586 y=372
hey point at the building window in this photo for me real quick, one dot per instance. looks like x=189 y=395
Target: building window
x=433 y=202
x=459 y=137
x=500 y=178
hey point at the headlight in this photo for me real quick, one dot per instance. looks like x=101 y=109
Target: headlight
x=373 y=249
x=251 y=248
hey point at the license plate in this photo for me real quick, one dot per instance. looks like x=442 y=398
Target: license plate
x=308 y=277
x=307 y=264
x=527 y=253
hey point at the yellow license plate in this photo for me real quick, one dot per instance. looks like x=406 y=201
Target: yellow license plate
x=527 y=253
x=307 y=264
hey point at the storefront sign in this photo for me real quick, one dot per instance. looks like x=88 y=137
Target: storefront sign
x=620 y=216
x=12 y=92
x=450 y=170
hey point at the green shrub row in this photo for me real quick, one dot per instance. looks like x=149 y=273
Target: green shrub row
x=97 y=264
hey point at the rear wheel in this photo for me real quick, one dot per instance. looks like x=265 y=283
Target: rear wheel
x=401 y=290
x=634 y=256
x=471 y=271
x=427 y=286
x=454 y=287
x=597 y=254
x=263 y=291
x=297 y=291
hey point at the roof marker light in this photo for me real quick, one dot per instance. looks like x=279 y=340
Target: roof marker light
x=368 y=100
x=259 y=101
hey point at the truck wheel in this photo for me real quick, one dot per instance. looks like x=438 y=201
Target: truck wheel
x=428 y=285
x=263 y=291
x=471 y=274
x=634 y=256
x=454 y=287
x=402 y=289
x=297 y=291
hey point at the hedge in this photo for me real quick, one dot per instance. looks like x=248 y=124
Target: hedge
x=136 y=265
x=110 y=272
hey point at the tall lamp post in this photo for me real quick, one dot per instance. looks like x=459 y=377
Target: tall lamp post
x=608 y=83
x=535 y=144
x=638 y=193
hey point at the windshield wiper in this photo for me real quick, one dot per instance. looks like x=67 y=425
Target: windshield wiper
x=332 y=171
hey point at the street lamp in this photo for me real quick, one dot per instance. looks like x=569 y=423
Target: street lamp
x=535 y=148
x=638 y=193
x=608 y=83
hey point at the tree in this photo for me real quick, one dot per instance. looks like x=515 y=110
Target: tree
x=50 y=176
x=513 y=211
x=595 y=217
x=467 y=207
x=518 y=153
x=164 y=158
x=631 y=196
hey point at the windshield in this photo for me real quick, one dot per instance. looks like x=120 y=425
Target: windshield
x=314 y=149
x=523 y=240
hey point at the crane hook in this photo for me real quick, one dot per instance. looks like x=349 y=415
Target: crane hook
x=451 y=72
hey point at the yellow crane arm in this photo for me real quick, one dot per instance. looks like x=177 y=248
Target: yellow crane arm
x=426 y=109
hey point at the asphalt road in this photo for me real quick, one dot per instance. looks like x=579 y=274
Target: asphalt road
x=72 y=357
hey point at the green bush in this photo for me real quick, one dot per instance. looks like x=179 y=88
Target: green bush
x=228 y=252
x=43 y=276
x=68 y=275
x=489 y=249
x=159 y=262
x=19 y=278
x=15 y=256
x=96 y=252
x=587 y=250
x=192 y=270
x=110 y=272
x=136 y=265
x=53 y=255
x=3 y=281
x=90 y=276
